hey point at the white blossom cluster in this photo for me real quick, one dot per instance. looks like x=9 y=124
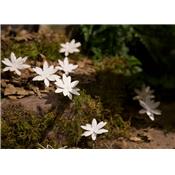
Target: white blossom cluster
x=48 y=73
x=63 y=84
x=146 y=97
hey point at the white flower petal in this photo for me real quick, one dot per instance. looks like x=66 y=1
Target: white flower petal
x=46 y=82
x=17 y=72
x=94 y=123
x=53 y=77
x=13 y=57
x=38 y=70
x=101 y=131
x=7 y=62
x=142 y=111
x=6 y=69
x=59 y=83
x=38 y=78
x=59 y=90
x=70 y=96
x=86 y=127
x=94 y=135
x=74 y=83
x=74 y=91
x=45 y=65
x=101 y=125
x=87 y=133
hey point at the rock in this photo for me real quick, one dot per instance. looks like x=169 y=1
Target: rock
x=31 y=103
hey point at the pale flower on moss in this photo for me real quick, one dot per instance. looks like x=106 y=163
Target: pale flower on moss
x=149 y=108
x=46 y=74
x=67 y=87
x=94 y=129
x=66 y=66
x=15 y=64
x=143 y=93
x=70 y=47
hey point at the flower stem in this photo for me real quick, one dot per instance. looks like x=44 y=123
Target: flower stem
x=93 y=145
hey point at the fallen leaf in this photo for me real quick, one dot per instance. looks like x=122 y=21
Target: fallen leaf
x=12 y=97
x=135 y=139
x=145 y=137
x=9 y=90
x=23 y=35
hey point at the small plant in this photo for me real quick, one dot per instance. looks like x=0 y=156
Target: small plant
x=145 y=97
x=149 y=108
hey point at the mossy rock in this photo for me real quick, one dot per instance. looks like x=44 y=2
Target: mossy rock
x=67 y=128
x=23 y=129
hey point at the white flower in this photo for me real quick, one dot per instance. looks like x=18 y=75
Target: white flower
x=149 y=108
x=94 y=129
x=46 y=74
x=70 y=47
x=65 y=66
x=66 y=86
x=15 y=64
x=144 y=93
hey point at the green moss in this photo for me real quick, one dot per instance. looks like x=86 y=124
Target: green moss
x=67 y=128
x=22 y=129
x=32 y=49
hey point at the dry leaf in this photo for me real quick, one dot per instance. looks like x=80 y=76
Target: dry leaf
x=145 y=137
x=135 y=139
x=9 y=90
x=12 y=97
x=24 y=35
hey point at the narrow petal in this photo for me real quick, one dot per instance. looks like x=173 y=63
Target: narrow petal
x=45 y=65
x=46 y=82
x=38 y=78
x=100 y=131
x=87 y=133
x=94 y=135
x=61 y=63
x=59 y=83
x=17 y=72
x=74 y=83
x=24 y=59
x=142 y=111
x=62 y=50
x=74 y=91
x=13 y=57
x=25 y=66
x=53 y=77
x=59 y=67
x=38 y=70
x=59 y=90
x=78 y=44
x=94 y=123
x=157 y=112
x=151 y=116
x=101 y=125
x=86 y=127
x=66 y=61
x=66 y=53
x=70 y=96
x=7 y=62
x=6 y=69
